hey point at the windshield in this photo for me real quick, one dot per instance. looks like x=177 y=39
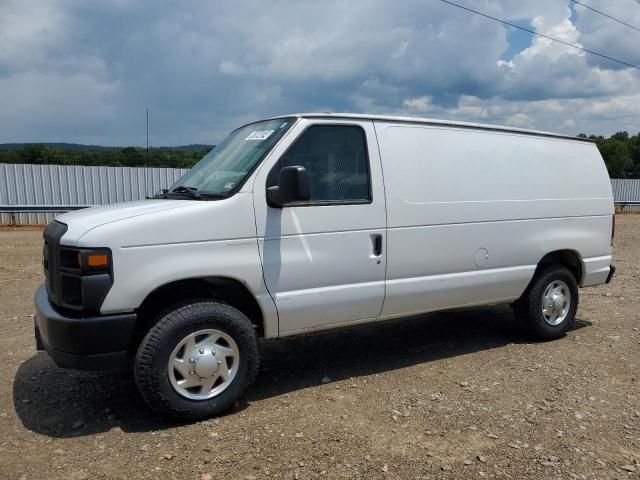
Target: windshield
x=225 y=167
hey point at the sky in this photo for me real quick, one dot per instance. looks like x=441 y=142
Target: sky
x=85 y=72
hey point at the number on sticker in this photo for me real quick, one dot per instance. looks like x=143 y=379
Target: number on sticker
x=259 y=135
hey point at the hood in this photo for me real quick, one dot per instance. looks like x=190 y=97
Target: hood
x=80 y=222
x=161 y=222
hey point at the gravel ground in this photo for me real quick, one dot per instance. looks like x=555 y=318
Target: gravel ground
x=452 y=395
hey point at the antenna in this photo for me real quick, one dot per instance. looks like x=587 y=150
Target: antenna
x=147 y=162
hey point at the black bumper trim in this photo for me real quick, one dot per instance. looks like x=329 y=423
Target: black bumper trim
x=99 y=361
x=87 y=343
x=612 y=270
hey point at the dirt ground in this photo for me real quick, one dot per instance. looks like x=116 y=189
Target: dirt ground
x=452 y=395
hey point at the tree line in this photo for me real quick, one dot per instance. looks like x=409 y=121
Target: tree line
x=72 y=154
x=621 y=153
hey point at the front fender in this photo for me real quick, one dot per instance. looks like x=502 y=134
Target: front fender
x=138 y=271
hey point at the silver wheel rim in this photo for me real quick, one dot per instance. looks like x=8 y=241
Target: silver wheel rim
x=556 y=302
x=203 y=364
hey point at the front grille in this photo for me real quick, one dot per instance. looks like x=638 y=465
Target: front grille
x=51 y=260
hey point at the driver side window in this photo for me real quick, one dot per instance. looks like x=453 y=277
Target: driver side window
x=335 y=157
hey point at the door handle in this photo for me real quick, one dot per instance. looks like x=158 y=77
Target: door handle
x=377 y=244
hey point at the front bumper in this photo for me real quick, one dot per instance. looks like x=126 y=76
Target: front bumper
x=85 y=343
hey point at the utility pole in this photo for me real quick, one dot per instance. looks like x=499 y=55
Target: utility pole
x=147 y=164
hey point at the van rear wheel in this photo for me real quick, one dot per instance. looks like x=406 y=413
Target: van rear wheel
x=549 y=305
x=197 y=360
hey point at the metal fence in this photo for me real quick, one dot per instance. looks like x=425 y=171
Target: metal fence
x=626 y=192
x=68 y=185
x=61 y=187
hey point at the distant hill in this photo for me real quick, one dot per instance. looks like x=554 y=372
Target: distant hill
x=183 y=156
x=78 y=147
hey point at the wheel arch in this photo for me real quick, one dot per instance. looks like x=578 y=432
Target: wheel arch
x=567 y=258
x=219 y=288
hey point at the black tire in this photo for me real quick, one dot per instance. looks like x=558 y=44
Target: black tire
x=529 y=307
x=152 y=358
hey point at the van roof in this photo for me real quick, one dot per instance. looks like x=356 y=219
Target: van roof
x=432 y=121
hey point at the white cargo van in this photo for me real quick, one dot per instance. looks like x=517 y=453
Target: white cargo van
x=308 y=222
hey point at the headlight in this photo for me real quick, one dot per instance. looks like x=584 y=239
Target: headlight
x=86 y=275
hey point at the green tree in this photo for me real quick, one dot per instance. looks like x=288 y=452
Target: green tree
x=622 y=136
x=132 y=157
x=37 y=153
x=617 y=157
x=634 y=147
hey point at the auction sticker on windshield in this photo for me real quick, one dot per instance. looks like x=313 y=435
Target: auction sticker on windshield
x=259 y=135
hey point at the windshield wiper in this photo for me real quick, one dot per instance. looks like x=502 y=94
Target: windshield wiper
x=185 y=190
x=192 y=192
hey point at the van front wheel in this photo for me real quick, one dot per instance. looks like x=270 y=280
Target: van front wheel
x=197 y=360
x=549 y=304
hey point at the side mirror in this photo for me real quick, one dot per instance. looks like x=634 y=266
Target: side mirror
x=293 y=186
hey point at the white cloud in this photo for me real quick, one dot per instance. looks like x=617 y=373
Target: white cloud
x=550 y=50
x=37 y=99
x=507 y=65
x=572 y=116
x=606 y=36
x=400 y=51
x=421 y=104
x=520 y=120
x=228 y=67
x=26 y=33
x=75 y=71
x=553 y=70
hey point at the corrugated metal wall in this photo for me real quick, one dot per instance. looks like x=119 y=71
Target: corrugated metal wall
x=627 y=190
x=76 y=185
